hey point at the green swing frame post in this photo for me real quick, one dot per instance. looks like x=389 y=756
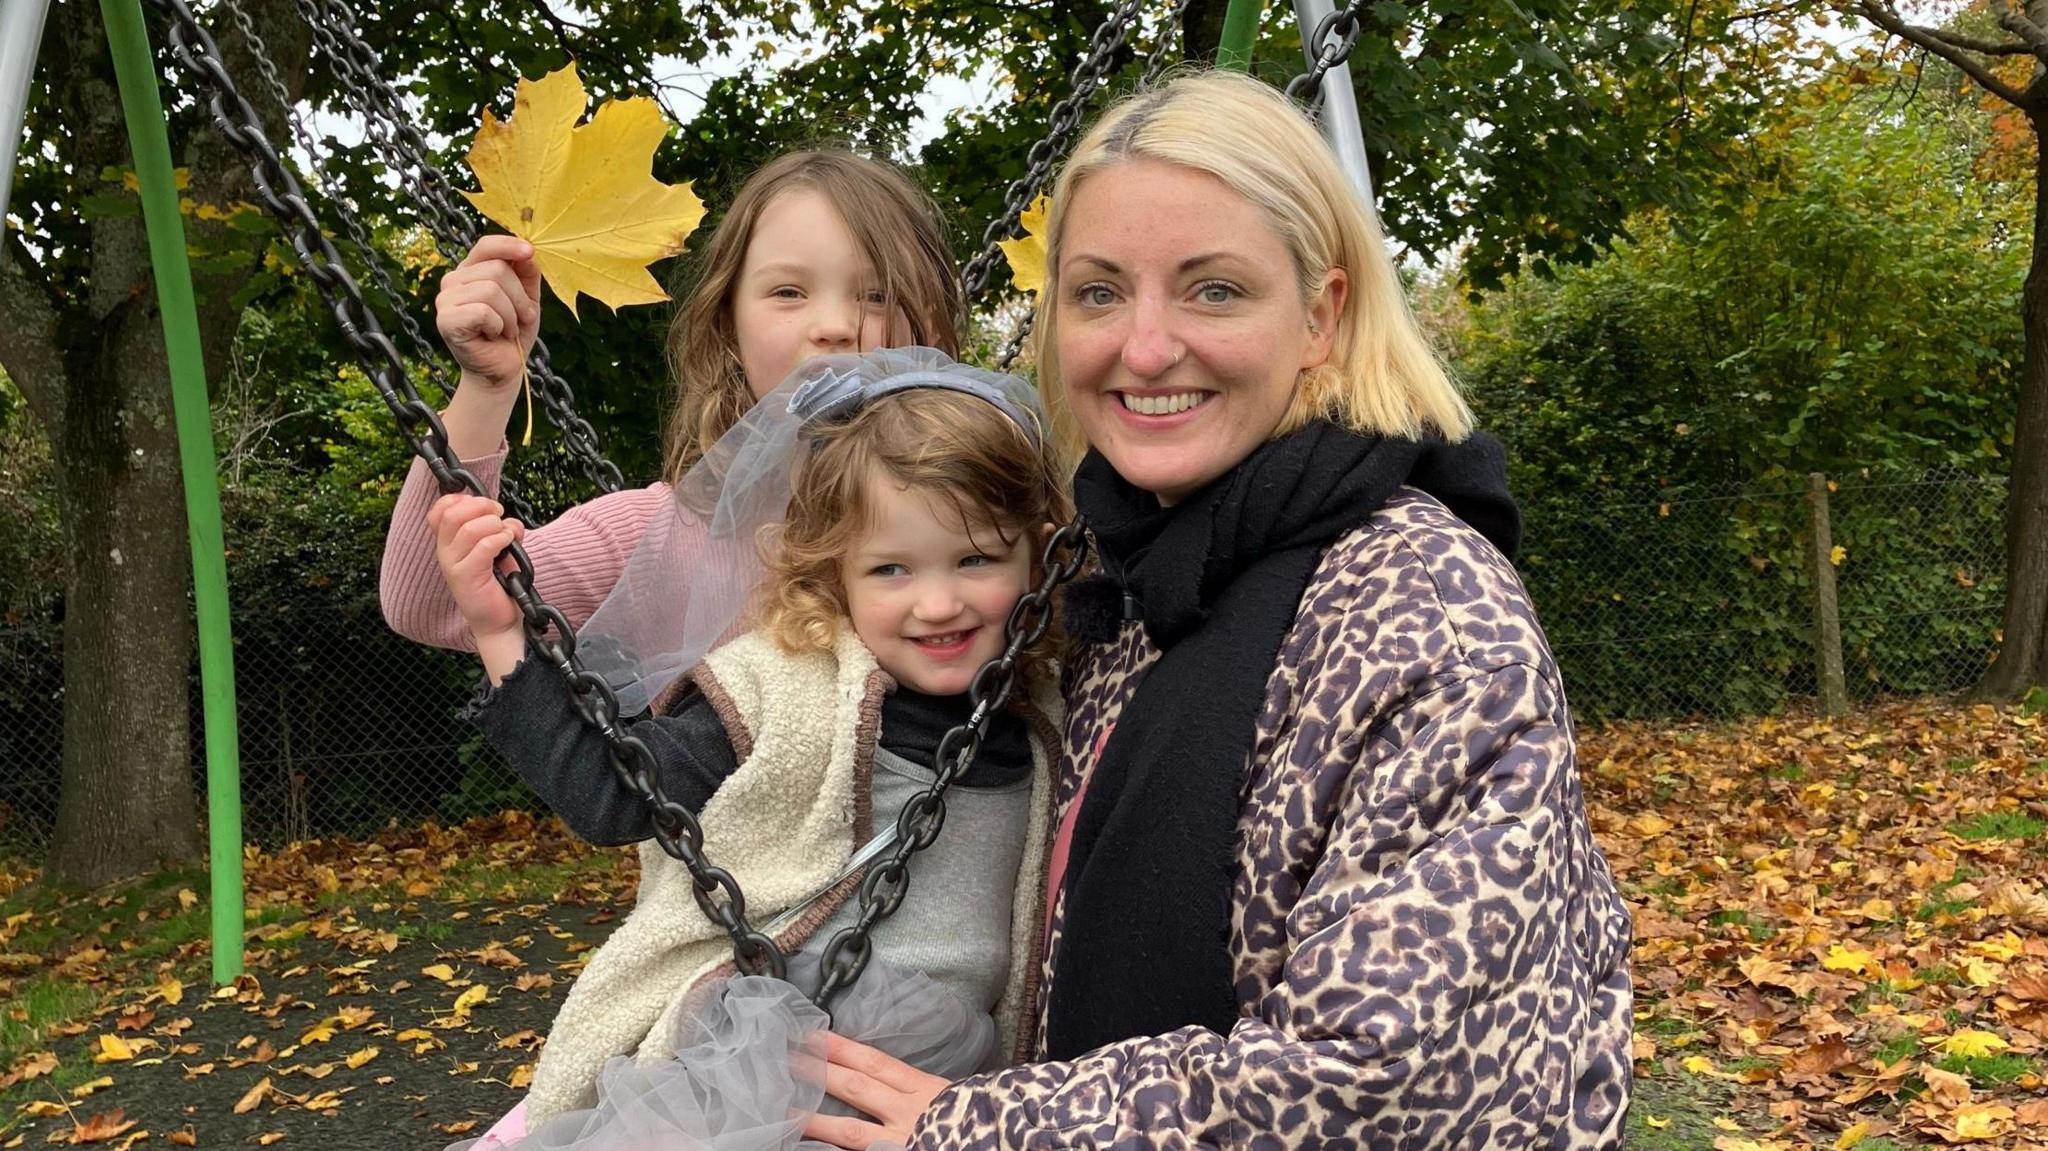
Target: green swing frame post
x=149 y=139
x=1240 y=33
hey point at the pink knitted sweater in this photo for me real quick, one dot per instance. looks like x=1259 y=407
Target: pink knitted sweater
x=576 y=559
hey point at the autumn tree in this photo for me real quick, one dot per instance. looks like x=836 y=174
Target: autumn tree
x=2009 y=62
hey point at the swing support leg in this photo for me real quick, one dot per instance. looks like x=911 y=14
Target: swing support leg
x=1240 y=33
x=149 y=139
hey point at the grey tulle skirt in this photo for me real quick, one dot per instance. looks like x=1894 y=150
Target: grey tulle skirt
x=749 y=1065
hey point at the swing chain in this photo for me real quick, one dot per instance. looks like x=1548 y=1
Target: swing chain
x=366 y=252
x=1334 y=37
x=675 y=829
x=391 y=131
x=917 y=825
x=1155 y=66
x=1087 y=76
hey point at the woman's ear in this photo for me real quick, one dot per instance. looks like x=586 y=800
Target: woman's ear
x=1323 y=314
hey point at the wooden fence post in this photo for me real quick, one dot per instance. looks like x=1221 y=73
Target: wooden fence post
x=1827 y=620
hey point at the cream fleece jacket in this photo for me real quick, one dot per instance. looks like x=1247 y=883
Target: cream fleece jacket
x=804 y=729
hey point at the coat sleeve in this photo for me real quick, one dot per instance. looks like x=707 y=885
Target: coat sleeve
x=528 y=718
x=1454 y=969
x=577 y=558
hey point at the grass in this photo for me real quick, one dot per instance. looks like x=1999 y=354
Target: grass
x=1983 y=1069
x=1938 y=903
x=1896 y=1048
x=37 y=1005
x=1998 y=825
x=1940 y=975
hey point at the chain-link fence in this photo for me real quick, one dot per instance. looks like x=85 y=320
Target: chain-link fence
x=1696 y=602
x=1703 y=601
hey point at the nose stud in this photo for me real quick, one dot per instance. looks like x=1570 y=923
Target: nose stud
x=1178 y=357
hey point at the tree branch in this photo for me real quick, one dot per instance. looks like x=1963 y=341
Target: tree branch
x=1882 y=16
x=1982 y=47
x=2021 y=27
x=29 y=349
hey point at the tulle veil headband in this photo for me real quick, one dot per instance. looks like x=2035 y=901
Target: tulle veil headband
x=688 y=584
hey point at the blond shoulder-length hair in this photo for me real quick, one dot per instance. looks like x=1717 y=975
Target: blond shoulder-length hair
x=1382 y=376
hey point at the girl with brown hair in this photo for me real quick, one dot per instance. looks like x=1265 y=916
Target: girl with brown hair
x=820 y=252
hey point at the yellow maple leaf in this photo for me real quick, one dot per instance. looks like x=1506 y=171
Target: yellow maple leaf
x=1851 y=1136
x=1655 y=1123
x=1026 y=255
x=1982 y=1120
x=1842 y=958
x=440 y=971
x=1698 y=1065
x=1973 y=1044
x=1981 y=972
x=361 y=1057
x=583 y=194
x=113 y=1049
x=172 y=989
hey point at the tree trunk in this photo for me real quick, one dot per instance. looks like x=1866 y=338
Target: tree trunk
x=88 y=354
x=2022 y=662
x=127 y=799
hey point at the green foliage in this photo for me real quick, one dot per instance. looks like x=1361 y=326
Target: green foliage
x=1842 y=306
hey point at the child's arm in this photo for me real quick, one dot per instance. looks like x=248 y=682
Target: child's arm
x=529 y=719
x=528 y=716
x=488 y=313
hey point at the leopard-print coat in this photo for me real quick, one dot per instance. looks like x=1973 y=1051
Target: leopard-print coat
x=1429 y=947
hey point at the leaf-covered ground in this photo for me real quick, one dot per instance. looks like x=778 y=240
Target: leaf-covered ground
x=1841 y=940
x=1841 y=926
x=397 y=993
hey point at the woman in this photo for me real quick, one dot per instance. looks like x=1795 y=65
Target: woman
x=1323 y=875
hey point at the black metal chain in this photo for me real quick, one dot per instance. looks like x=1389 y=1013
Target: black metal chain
x=398 y=143
x=1155 y=66
x=1330 y=44
x=917 y=825
x=1087 y=76
x=675 y=828
x=366 y=252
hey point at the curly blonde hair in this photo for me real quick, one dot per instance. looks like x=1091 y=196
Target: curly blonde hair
x=946 y=444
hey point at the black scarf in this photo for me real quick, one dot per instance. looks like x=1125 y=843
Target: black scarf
x=1217 y=579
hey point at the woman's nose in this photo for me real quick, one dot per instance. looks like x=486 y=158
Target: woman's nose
x=1150 y=347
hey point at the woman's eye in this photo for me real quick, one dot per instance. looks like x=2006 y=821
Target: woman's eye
x=1095 y=295
x=788 y=292
x=1216 y=292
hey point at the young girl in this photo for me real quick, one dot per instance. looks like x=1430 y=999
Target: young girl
x=820 y=252
x=916 y=508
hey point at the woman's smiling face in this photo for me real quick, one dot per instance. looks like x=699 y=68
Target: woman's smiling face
x=1181 y=326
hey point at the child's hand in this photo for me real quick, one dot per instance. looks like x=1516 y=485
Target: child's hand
x=488 y=310
x=469 y=532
